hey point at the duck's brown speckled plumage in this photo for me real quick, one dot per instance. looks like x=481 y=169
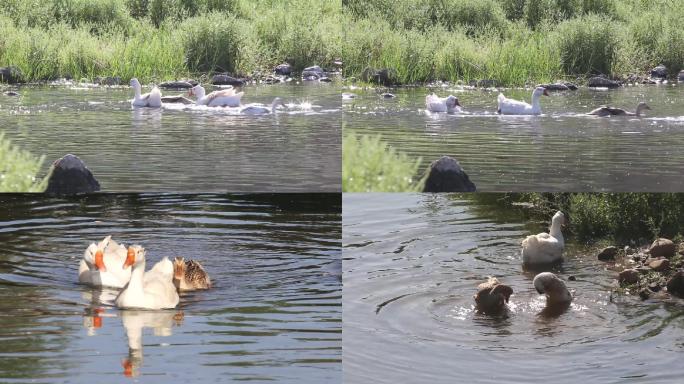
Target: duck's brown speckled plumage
x=492 y=296
x=189 y=275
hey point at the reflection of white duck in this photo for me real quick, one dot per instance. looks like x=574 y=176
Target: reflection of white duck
x=101 y=265
x=153 y=289
x=134 y=321
x=515 y=107
x=545 y=248
x=448 y=104
x=554 y=288
x=258 y=109
x=152 y=99
x=223 y=98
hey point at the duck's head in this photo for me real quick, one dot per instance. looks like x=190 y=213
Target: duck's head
x=452 y=101
x=278 y=102
x=558 y=219
x=492 y=296
x=554 y=288
x=643 y=106
x=197 y=90
x=135 y=83
x=178 y=267
x=135 y=256
x=539 y=91
x=94 y=254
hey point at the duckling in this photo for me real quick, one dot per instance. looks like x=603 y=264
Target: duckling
x=492 y=296
x=189 y=275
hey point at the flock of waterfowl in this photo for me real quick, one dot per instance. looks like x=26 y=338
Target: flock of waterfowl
x=223 y=98
x=506 y=106
x=537 y=250
x=112 y=265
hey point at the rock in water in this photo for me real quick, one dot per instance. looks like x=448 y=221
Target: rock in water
x=379 y=76
x=659 y=265
x=659 y=72
x=178 y=84
x=283 y=69
x=446 y=175
x=598 y=81
x=69 y=176
x=11 y=75
x=608 y=253
x=225 y=79
x=628 y=276
x=675 y=285
x=662 y=247
x=313 y=73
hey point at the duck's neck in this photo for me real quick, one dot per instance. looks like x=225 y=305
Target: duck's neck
x=535 y=102
x=273 y=105
x=555 y=231
x=136 y=89
x=136 y=282
x=639 y=111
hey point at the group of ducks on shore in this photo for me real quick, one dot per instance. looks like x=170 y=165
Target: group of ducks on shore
x=537 y=250
x=224 y=98
x=112 y=265
x=506 y=106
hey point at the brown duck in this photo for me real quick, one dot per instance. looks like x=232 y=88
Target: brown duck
x=189 y=275
x=492 y=296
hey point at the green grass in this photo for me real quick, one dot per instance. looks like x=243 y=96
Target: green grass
x=516 y=42
x=162 y=39
x=18 y=169
x=369 y=165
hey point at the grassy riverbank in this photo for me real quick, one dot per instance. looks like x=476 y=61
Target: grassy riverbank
x=163 y=39
x=513 y=41
x=18 y=169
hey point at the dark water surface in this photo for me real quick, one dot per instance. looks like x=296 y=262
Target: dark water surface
x=562 y=150
x=192 y=150
x=411 y=267
x=273 y=315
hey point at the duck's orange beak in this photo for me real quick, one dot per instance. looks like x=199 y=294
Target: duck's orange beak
x=99 y=261
x=130 y=258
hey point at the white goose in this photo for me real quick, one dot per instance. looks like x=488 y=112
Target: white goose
x=545 y=248
x=554 y=288
x=515 y=107
x=152 y=99
x=448 y=104
x=151 y=290
x=101 y=265
x=223 y=98
x=257 y=109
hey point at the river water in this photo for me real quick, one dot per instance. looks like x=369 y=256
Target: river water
x=273 y=315
x=190 y=149
x=562 y=150
x=411 y=266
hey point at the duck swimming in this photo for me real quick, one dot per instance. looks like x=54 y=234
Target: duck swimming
x=554 y=288
x=153 y=99
x=153 y=289
x=545 y=248
x=604 y=111
x=449 y=104
x=256 y=109
x=223 y=98
x=189 y=275
x=515 y=107
x=101 y=265
x=492 y=296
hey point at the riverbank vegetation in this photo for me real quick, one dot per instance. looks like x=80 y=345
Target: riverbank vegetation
x=515 y=42
x=165 y=39
x=18 y=169
x=634 y=218
x=370 y=165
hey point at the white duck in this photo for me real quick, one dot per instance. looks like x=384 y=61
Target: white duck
x=101 y=265
x=151 y=290
x=152 y=99
x=257 y=109
x=545 y=248
x=448 y=104
x=515 y=107
x=554 y=288
x=223 y=98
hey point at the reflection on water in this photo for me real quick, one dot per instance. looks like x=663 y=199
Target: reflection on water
x=143 y=149
x=412 y=264
x=274 y=313
x=563 y=150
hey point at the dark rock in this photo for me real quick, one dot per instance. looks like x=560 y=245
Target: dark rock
x=446 y=175
x=379 y=76
x=675 y=285
x=662 y=247
x=225 y=79
x=388 y=95
x=69 y=176
x=559 y=86
x=659 y=72
x=659 y=265
x=11 y=93
x=109 y=80
x=11 y=75
x=272 y=80
x=598 y=81
x=178 y=84
x=312 y=73
x=283 y=69
x=680 y=76
x=644 y=294
x=572 y=278
x=608 y=253
x=484 y=83
x=325 y=80
x=628 y=276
